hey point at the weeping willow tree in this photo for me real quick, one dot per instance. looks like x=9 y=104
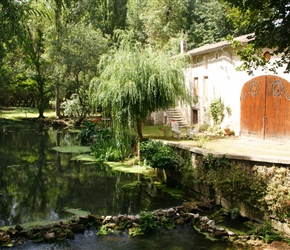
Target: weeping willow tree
x=135 y=81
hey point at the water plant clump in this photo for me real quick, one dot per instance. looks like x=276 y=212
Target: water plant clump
x=104 y=143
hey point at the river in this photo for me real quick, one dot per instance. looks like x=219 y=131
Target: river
x=38 y=183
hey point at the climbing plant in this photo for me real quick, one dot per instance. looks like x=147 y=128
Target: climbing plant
x=216 y=109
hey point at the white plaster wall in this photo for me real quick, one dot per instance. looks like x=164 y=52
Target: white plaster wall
x=223 y=81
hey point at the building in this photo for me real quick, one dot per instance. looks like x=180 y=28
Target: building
x=256 y=106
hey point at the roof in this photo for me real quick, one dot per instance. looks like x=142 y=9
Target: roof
x=212 y=47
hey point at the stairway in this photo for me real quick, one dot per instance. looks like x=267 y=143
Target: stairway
x=176 y=115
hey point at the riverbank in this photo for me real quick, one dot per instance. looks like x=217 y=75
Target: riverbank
x=132 y=225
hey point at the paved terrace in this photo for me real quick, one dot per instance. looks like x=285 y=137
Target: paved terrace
x=243 y=149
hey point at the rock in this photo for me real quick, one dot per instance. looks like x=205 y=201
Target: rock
x=12 y=231
x=219 y=234
x=132 y=218
x=115 y=220
x=179 y=221
x=230 y=233
x=211 y=223
x=49 y=236
x=159 y=212
x=169 y=212
x=107 y=220
x=70 y=234
x=5 y=238
x=190 y=206
x=111 y=225
x=77 y=228
x=180 y=209
x=62 y=236
x=36 y=236
x=83 y=219
x=19 y=228
x=24 y=233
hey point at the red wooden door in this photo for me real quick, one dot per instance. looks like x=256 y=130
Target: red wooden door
x=265 y=108
x=277 y=109
x=253 y=108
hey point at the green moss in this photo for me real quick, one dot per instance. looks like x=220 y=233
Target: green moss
x=72 y=149
x=76 y=212
x=174 y=192
x=133 y=184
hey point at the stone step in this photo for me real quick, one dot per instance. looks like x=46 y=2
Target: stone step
x=176 y=115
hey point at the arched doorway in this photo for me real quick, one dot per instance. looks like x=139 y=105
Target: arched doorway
x=265 y=108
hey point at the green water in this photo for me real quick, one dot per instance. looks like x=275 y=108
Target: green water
x=37 y=183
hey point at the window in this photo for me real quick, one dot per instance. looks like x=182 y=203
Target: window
x=194 y=115
x=205 y=88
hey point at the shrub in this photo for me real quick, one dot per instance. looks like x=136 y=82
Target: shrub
x=159 y=155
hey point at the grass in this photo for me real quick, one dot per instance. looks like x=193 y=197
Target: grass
x=18 y=113
x=159 y=132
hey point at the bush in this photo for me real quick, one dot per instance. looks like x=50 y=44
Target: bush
x=159 y=155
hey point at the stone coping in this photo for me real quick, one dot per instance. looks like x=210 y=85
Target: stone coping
x=245 y=157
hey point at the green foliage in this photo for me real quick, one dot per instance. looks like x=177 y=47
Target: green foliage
x=186 y=169
x=167 y=223
x=103 y=230
x=267 y=233
x=235 y=213
x=277 y=195
x=211 y=162
x=269 y=21
x=135 y=81
x=216 y=110
x=147 y=223
x=104 y=144
x=234 y=181
x=106 y=147
x=201 y=141
x=159 y=155
x=209 y=24
x=90 y=130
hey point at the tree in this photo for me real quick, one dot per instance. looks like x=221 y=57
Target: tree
x=209 y=24
x=81 y=49
x=164 y=19
x=270 y=21
x=135 y=81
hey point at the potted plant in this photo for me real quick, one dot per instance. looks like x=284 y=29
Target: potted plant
x=227 y=131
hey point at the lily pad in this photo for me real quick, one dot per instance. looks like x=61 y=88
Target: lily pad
x=85 y=157
x=72 y=149
x=136 y=169
x=133 y=184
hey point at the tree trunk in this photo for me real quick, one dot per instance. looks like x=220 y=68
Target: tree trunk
x=139 y=130
x=57 y=101
x=41 y=100
x=140 y=136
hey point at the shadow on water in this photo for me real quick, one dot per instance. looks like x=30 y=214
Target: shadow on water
x=37 y=183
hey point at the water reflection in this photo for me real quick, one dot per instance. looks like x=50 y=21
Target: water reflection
x=36 y=183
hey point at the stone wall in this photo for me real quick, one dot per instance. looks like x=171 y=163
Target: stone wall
x=259 y=190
